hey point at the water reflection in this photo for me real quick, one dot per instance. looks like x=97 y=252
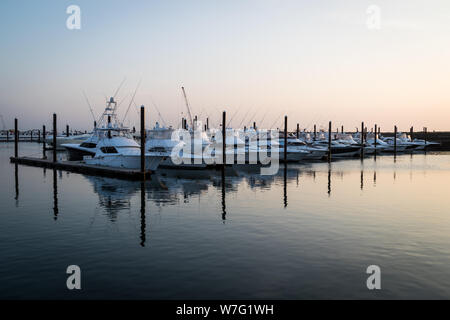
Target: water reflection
x=16 y=180
x=143 y=223
x=55 y=195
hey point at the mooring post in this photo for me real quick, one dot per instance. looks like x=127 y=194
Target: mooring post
x=395 y=140
x=425 y=129
x=67 y=130
x=285 y=138
x=43 y=142
x=315 y=132
x=298 y=130
x=411 y=131
x=362 y=140
x=254 y=125
x=16 y=139
x=207 y=123
x=95 y=126
x=342 y=129
x=39 y=136
x=143 y=141
x=224 y=118
x=329 y=141
x=54 y=137
x=375 y=139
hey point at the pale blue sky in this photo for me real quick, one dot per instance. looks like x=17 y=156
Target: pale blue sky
x=314 y=60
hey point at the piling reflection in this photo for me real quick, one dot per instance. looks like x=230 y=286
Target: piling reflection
x=285 y=186
x=143 y=222
x=55 y=195
x=224 y=205
x=329 y=179
x=16 y=181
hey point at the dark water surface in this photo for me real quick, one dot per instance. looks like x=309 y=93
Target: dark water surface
x=186 y=235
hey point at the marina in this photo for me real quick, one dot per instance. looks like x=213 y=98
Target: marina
x=201 y=234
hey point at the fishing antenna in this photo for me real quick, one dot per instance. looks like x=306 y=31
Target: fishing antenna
x=187 y=106
x=90 y=107
x=120 y=86
x=132 y=99
x=159 y=113
x=232 y=117
x=240 y=124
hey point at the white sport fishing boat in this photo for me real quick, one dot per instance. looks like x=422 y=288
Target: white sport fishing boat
x=159 y=139
x=121 y=151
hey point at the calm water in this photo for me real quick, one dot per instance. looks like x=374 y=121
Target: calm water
x=186 y=235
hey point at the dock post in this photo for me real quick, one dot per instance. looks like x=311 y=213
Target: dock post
x=39 y=136
x=31 y=135
x=315 y=132
x=54 y=137
x=395 y=140
x=254 y=125
x=16 y=139
x=362 y=140
x=298 y=131
x=285 y=139
x=67 y=130
x=95 y=126
x=143 y=142
x=224 y=140
x=207 y=123
x=329 y=140
x=342 y=129
x=375 y=140
x=43 y=141
x=411 y=131
x=425 y=130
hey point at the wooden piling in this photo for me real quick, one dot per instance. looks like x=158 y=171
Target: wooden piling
x=329 y=140
x=31 y=135
x=143 y=141
x=254 y=125
x=342 y=129
x=16 y=138
x=55 y=132
x=43 y=142
x=298 y=130
x=224 y=118
x=425 y=131
x=375 y=139
x=207 y=123
x=411 y=132
x=395 y=140
x=39 y=136
x=362 y=140
x=67 y=130
x=285 y=138
x=315 y=132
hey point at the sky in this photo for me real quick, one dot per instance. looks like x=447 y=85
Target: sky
x=259 y=60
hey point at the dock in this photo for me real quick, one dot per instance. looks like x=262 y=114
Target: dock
x=81 y=167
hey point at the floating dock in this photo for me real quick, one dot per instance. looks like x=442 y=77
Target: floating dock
x=81 y=167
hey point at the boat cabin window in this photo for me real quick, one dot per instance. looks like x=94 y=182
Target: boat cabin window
x=108 y=150
x=88 y=145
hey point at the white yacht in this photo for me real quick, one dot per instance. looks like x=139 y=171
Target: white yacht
x=121 y=151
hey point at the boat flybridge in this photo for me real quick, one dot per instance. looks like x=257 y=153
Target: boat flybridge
x=112 y=145
x=122 y=151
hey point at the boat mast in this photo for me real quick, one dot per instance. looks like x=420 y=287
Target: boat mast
x=187 y=106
